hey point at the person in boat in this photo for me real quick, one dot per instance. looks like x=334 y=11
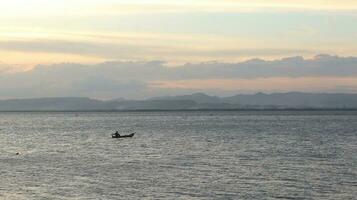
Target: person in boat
x=116 y=134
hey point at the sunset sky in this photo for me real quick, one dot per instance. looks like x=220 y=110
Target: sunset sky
x=95 y=39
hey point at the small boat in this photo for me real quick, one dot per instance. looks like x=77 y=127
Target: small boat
x=122 y=136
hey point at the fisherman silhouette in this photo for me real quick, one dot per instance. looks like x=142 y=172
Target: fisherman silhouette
x=117 y=134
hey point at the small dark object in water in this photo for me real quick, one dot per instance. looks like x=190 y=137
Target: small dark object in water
x=122 y=136
x=17 y=153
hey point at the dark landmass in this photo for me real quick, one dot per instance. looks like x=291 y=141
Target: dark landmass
x=197 y=101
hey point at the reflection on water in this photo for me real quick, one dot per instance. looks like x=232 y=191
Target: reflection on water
x=187 y=155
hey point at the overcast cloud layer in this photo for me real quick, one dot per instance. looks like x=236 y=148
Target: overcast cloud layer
x=146 y=79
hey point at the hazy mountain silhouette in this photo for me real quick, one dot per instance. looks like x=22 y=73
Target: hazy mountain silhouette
x=200 y=98
x=55 y=104
x=275 y=100
x=294 y=100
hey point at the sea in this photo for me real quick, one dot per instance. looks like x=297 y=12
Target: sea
x=179 y=155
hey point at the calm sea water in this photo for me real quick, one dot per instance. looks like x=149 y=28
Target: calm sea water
x=179 y=155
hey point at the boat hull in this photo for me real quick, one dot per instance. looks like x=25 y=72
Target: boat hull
x=123 y=136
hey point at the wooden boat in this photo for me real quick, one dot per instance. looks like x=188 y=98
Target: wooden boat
x=122 y=136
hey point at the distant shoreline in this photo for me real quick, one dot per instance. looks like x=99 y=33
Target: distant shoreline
x=189 y=103
x=190 y=110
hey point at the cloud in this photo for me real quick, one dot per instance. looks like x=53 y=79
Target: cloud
x=128 y=49
x=228 y=6
x=36 y=8
x=321 y=65
x=105 y=80
x=4 y=67
x=8 y=68
x=41 y=26
x=144 y=79
x=96 y=49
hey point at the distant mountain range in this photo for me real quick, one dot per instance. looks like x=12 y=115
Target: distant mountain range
x=197 y=101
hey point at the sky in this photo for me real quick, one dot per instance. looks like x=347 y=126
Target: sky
x=313 y=40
